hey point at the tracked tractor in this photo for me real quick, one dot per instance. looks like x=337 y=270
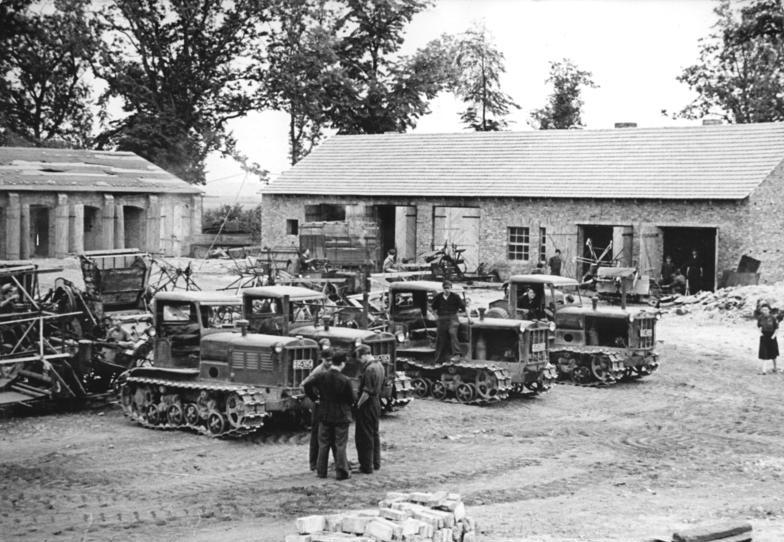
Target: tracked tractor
x=591 y=344
x=498 y=356
x=297 y=311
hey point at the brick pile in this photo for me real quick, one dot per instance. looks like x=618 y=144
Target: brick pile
x=735 y=303
x=405 y=517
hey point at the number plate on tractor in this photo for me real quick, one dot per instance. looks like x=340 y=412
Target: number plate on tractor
x=646 y=333
x=303 y=363
x=384 y=358
x=538 y=347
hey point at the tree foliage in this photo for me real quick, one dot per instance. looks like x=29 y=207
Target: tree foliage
x=382 y=91
x=740 y=72
x=564 y=106
x=477 y=70
x=182 y=70
x=233 y=219
x=299 y=71
x=45 y=96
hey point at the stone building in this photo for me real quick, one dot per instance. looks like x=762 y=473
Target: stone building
x=59 y=201
x=512 y=198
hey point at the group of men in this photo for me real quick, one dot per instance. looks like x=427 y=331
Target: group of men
x=673 y=277
x=336 y=405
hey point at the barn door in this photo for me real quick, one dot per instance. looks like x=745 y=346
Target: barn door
x=622 y=245
x=458 y=225
x=405 y=232
x=651 y=249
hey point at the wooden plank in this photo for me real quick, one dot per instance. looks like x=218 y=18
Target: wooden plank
x=725 y=531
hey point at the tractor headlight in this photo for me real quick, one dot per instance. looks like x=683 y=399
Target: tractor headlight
x=657 y=316
x=551 y=326
x=400 y=336
x=278 y=348
x=357 y=341
x=522 y=327
x=631 y=318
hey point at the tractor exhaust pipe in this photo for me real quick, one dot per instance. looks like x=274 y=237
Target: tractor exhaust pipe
x=482 y=313
x=594 y=302
x=243 y=326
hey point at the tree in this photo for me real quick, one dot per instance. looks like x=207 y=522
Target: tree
x=564 y=106
x=45 y=97
x=182 y=70
x=478 y=68
x=740 y=73
x=299 y=70
x=382 y=92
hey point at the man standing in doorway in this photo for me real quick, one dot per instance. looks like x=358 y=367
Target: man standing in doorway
x=555 y=263
x=366 y=435
x=694 y=273
x=446 y=305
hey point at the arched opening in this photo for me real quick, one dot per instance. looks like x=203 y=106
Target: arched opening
x=39 y=231
x=135 y=221
x=92 y=228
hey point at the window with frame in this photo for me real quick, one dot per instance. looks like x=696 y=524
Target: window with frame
x=292 y=226
x=519 y=244
x=542 y=244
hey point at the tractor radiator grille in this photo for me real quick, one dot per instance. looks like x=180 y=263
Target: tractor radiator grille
x=645 y=331
x=300 y=362
x=539 y=350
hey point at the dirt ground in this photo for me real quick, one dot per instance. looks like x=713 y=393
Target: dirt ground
x=701 y=440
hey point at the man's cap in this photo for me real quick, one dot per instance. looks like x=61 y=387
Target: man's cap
x=324 y=343
x=362 y=349
x=6 y=287
x=764 y=304
x=446 y=283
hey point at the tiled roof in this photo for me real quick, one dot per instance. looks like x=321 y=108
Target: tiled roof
x=69 y=170
x=695 y=162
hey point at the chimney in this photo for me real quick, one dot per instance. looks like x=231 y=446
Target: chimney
x=626 y=125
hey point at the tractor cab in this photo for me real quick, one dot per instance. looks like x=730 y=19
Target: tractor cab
x=277 y=310
x=183 y=318
x=410 y=316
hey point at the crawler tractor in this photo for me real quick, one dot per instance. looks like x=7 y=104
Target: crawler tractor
x=591 y=344
x=292 y=310
x=498 y=355
x=239 y=380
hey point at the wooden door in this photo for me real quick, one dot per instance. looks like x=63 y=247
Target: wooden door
x=458 y=225
x=651 y=249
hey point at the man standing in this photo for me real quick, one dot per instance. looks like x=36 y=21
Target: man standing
x=326 y=363
x=446 y=306
x=694 y=273
x=366 y=434
x=555 y=263
x=336 y=397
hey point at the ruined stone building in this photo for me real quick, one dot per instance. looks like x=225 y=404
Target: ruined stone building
x=55 y=202
x=512 y=198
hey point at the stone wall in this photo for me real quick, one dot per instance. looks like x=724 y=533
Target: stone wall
x=751 y=226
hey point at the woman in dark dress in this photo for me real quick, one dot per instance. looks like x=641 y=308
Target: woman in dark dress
x=768 y=324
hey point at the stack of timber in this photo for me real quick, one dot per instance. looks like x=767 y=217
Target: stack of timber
x=414 y=517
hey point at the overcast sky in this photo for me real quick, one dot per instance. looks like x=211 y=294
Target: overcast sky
x=634 y=48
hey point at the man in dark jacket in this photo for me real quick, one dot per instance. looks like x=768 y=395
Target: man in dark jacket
x=446 y=306
x=366 y=435
x=336 y=397
x=326 y=363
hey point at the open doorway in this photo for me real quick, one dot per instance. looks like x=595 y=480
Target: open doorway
x=92 y=228
x=680 y=242
x=135 y=227
x=386 y=224
x=597 y=247
x=39 y=231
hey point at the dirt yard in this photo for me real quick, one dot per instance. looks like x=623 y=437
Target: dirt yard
x=701 y=440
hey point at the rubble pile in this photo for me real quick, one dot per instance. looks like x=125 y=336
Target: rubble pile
x=415 y=517
x=734 y=303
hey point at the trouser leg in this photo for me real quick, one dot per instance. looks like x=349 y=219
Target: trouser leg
x=363 y=437
x=325 y=443
x=314 y=439
x=454 y=343
x=340 y=434
x=442 y=340
x=376 y=407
